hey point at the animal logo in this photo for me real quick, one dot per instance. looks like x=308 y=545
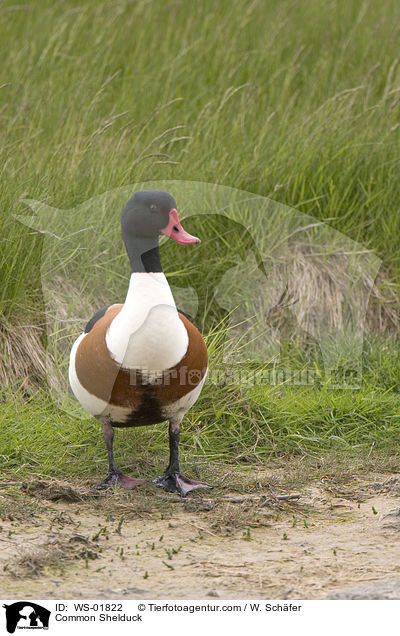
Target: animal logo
x=194 y=376
x=26 y=615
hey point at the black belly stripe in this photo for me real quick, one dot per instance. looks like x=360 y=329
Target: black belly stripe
x=148 y=412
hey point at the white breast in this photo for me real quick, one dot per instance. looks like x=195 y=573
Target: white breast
x=148 y=334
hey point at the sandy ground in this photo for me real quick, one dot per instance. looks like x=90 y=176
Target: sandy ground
x=219 y=545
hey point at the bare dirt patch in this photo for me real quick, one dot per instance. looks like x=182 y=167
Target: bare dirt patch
x=62 y=541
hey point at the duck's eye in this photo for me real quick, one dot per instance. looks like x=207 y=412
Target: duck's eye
x=153 y=207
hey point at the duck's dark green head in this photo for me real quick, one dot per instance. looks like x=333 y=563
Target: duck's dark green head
x=150 y=213
x=146 y=216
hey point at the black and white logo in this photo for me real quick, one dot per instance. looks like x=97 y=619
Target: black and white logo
x=26 y=615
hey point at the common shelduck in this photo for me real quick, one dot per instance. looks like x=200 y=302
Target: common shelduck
x=142 y=362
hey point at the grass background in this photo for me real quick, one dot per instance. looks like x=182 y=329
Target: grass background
x=299 y=101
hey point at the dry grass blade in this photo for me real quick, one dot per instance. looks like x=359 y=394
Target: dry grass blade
x=263 y=500
x=22 y=353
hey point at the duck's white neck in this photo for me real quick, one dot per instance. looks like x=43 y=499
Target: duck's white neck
x=147 y=290
x=147 y=333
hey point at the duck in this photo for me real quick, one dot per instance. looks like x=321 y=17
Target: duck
x=142 y=362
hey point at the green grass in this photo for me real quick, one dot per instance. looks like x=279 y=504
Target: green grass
x=227 y=426
x=296 y=100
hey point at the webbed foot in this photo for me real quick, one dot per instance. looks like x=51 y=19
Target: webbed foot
x=116 y=478
x=176 y=482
